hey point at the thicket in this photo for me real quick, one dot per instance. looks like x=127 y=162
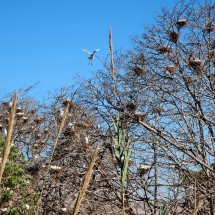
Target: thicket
x=136 y=138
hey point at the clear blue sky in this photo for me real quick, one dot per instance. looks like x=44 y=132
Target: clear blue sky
x=41 y=40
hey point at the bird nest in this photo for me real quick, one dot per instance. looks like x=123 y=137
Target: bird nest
x=170 y=69
x=211 y=54
x=196 y=64
x=140 y=116
x=137 y=70
x=158 y=109
x=32 y=111
x=188 y=79
x=210 y=27
x=131 y=106
x=164 y=49
x=174 y=36
x=40 y=119
x=20 y=114
x=181 y=23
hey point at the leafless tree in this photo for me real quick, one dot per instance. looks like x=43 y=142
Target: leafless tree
x=165 y=88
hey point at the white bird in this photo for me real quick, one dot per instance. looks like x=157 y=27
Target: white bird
x=143 y=169
x=3 y=209
x=36 y=156
x=84 y=139
x=5 y=132
x=91 y=55
x=27 y=206
x=55 y=167
x=10 y=104
x=63 y=209
x=61 y=112
x=71 y=126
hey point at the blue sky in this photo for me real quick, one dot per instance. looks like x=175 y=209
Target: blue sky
x=41 y=40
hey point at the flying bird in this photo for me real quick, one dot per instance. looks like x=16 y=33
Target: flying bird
x=91 y=55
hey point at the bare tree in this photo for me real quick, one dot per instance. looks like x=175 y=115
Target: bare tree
x=165 y=89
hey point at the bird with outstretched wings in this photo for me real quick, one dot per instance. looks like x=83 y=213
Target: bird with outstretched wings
x=91 y=55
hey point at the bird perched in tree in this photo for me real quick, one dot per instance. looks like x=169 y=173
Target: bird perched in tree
x=5 y=132
x=143 y=169
x=91 y=55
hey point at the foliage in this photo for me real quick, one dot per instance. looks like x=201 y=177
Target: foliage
x=14 y=188
x=163 y=211
x=121 y=146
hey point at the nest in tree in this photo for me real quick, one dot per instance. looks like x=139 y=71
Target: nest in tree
x=20 y=114
x=210 y=27
x=164 y=49
x=38 y=136
x=40 y=119
x=42 y=143
x=87 y=125
x=181 y=23
x=158 y=109
x=211 y=54
x=46 y=130
x=32 y=111
x=18 y=110
x=65 y=102
x=7 y=104
x=138 y=70
x=32 y=168
x=25 y=119
x=174 y=36
x=71 y=125
x=69 y=132
x=30 y=129
x=199 y=71
x=188 y=79
x=143 y=169
x=196 y=64
x=131 y=106
x=170 y=69
x=36 y=146
x=140 y=116
x=84 y=125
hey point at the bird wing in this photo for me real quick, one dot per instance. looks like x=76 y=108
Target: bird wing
x=86 y=51
x=96 y=50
